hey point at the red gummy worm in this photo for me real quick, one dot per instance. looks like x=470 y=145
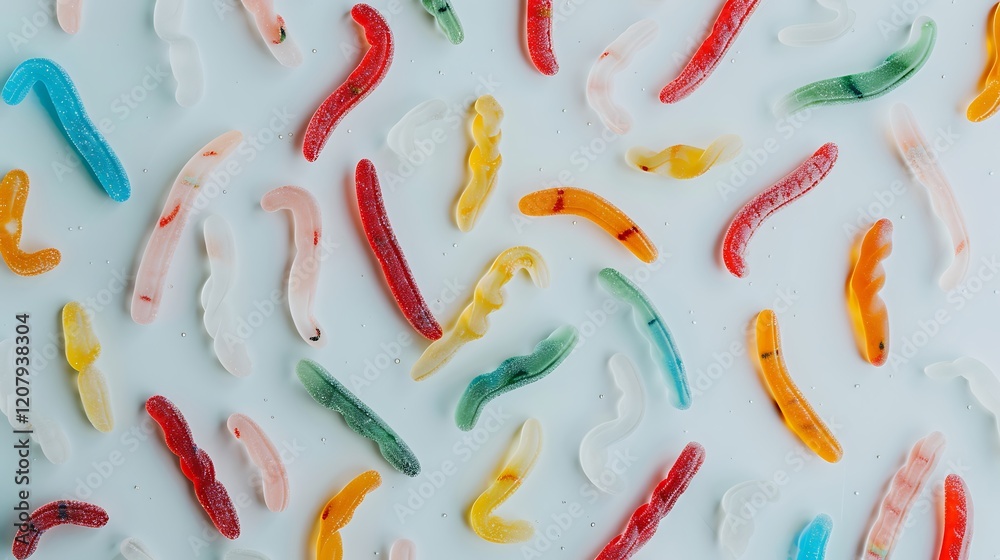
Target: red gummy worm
x=54 y=514
x=732 y=18
x=196 y=465
x=359 y=84
x=769 y=201
x=644 y=521
x=957 y=519
x=386 y=249
x=538 y=31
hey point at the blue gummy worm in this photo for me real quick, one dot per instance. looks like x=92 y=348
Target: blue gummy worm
x=813 y=539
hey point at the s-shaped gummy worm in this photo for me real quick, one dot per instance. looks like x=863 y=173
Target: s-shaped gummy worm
x=54 y=514
x=339 y=511
x=867 y=308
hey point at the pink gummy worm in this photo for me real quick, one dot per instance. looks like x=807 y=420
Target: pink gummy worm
x=265 y=456
x=68 y=14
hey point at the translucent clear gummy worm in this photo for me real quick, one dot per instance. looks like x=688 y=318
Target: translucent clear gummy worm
x=13 y=197
x=220 y=319
x=185 y=60
x=983 y=383
x=685 y=162
x=595 y=448
x=54 y=514
x=304 y=273
x=402 y=137
x=45 y=432
x=69 y=13
x=538 y=34
x=812 y=541
x=265 y=456
x=484 y=162
x=957 y=520
x=69 y=113
x=517 y=465
x=986 y=104
x=134 y=549
x=274 y=32
x=740 y=505
x=403 y=549
x=808 y=34
x=474 y=321
x=868 y=311
x=82 y=350
x=159 y=253
x=921 y=158
x=339 y=511
x=447 y=19
x=615 y=58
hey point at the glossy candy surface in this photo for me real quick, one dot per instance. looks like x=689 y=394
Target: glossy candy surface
x=868 y=311
x=13 y=197
x=54 y=514
x=520 y=460
x=484 y=162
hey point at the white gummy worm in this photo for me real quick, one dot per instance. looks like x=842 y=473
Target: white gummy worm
x=272 y=28
x=614 y=59
x=220 y=320
x=740 y=505
x=403 y=549
x=244 y=554
x=808 y=34
x=983 y=383
x=68 y=14
x=265 y=456
x=402 y=138
x=185 y=60
x=595 y=454
x=46 y=433
x=134 y=549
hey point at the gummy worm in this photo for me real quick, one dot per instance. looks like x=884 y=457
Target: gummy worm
x=46 y=433
x=304 y=274
x=196 y=465
x=447 y=20
x=134 y=549
x=220 y=320
x=570 y=200
x=390 y=256
x=13 y=196
x=82 y=350
x=484 y=162
x=595 y=447
x=983 y=383
x=871 y=320
x=473 y=323
x=985 y=104
x=685 y=162
x=516 y=467
x=266 y=457
x=538 y=32
x=903 y=491
x=733 y=16
x=642 y=525
x=72 y=118
x=894 y=71
x=740 y=505
x=403 y=549
x=808 y=34
x=957 y=520
x=514 y=373
x=167 y=230
x=366 y=77
x=797 y=183
x=796 y=410
x=921 y=158
x=274 y=32
x=54 y=514
x=69 y=13
x=244 y=554
x=652 y=326
x=402 y=136
x=327 y=391
x=185 y=60
x=814 y=538
x=613 y=60
x=337 y=513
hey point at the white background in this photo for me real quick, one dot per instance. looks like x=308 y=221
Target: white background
x=802 y=253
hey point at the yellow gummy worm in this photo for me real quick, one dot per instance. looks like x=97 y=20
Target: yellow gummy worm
x=82 y=350
x=517 y=465
x=685 y=162
x=488 y=297
x=484 y=162
x=13 y=196
x=799 y=415
x=988 y=101
x=338 y=512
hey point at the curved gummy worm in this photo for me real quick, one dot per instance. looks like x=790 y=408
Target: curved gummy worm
x=740 y=506
x=797 y=183
x=906 y=485
x=484 y=162
x=402 y=136
x=894 y=71
x=185 y=60
x=134 y=549
x=733 y=16
x=868 y=312
x=196 y=465
x=54 y=514
x=514 y=373
x=957 y=519
x=46 y=433
x=986 y=104
x=517 y=465
x=808 y=34
x=220 y=320
x=82 y=350
x=921 y=158
x=159 y=252
x=13 y=196
x=812 y=541
x=642 y=525
x=366 y=77
x=685 y=162
x=795 y=409
x=473 y=323
x=983 y=383
x=615 y=58
x=72 y=117
x=538 y=34
x=595 y=454
x=447 y=19
x=69 y=13
x=265 y=456
x=654 y=329
x=570 y=200
x=327 y=391
x=403 y=549
x=304 y=273
x=274 y=32
x=244 y=554
x=390 y=256
x=337 y=513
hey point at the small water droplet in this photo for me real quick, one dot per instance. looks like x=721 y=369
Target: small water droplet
x=857 y=385
x=281 y=137
x=444 y=516
x=314 y=50
x=600 y=396
x=592 y=524
x=397 y=360
x=184 y=334
x=322 y=440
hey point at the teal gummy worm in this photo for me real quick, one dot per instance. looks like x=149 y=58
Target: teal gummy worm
x=813 y=539
x=513 y=373
x=329 y=392
x=72 y=117
x=447 y=19
x=650 y=323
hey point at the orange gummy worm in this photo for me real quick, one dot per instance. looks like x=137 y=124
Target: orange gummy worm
x=871 y=319
x=13 y=196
